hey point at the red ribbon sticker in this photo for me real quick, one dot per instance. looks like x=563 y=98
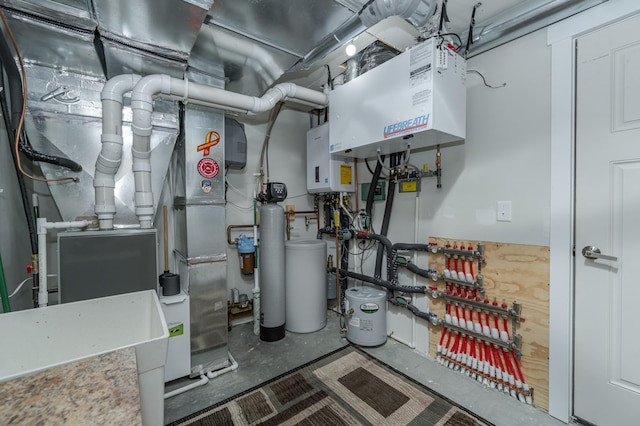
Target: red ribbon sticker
x=212 y=140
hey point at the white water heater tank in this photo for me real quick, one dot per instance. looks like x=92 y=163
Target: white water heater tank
x=366 y=310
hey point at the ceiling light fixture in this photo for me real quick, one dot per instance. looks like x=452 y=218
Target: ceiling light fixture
x=350 y=49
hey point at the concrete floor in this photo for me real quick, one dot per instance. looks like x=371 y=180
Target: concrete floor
x=260 y=361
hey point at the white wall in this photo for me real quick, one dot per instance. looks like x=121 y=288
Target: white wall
x=287 y=163
x=14 y=235
x=505 y=158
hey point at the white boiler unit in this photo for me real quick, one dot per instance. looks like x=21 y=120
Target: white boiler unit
x=417 y=98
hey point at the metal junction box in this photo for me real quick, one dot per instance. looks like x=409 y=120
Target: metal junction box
x=418 y=97
x=326 y=172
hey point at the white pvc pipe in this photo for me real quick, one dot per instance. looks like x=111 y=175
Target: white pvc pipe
x=43 y=294
x=42 y=226
x=142 y=106
x=110 y=156
x=232 y=367
x=203 y=381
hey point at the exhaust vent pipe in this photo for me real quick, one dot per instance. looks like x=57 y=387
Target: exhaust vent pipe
x=142 y=105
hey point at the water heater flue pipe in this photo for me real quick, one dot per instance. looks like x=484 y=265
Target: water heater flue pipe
x=160 y=84
x=110 y=156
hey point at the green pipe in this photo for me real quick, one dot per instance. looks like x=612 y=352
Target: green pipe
x=6 y=307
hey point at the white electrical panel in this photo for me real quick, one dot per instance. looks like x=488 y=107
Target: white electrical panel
x=326 y=172
x=417 y=98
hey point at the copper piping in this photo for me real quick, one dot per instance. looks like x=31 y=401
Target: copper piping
x=289 y=213
x=230 y=227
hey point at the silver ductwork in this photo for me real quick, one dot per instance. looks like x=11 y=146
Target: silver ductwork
x=69 y=126
x=416 y=12
x=522 y=19
x=169 y=29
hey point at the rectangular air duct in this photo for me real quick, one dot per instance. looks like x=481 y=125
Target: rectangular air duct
x=417 y=98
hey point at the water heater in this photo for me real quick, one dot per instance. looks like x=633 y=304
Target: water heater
x=326 y=172
x=416 y=98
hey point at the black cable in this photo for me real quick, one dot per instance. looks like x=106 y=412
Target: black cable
x=366 y=161
x=443 y=15
x=484 y=80
x=373 y=185
x=455 y=35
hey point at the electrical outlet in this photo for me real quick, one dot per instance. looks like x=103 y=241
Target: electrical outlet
x=503 y=211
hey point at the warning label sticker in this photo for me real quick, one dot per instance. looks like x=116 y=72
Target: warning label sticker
x=420 y=60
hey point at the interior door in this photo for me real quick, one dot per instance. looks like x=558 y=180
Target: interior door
x=607 y=234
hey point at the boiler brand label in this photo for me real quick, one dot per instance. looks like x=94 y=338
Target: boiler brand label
x=212 y=139
x=208 y=168
x=369 y=308
x=177 y=330
x=406 y=126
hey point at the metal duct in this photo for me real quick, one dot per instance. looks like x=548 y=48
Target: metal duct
x=169 y=29
x=523 y=19
x=122 y=59
x=416 y=12
x=71 y=13
x=70 y=126
x=45 y=43
x=199 y=209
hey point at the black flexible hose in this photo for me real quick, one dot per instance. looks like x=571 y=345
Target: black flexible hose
x=417 y=312
x=373 y=185
x=391 y=190
x=411 y=246
x=382 y=283
x=418 y=271
x=33 y=155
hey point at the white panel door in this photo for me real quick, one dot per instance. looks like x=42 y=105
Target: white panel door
x=607 y=290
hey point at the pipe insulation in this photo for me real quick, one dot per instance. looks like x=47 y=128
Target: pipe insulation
x=380 y=282
x=159 y=84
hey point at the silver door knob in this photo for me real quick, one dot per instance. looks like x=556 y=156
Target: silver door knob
x=593 y=252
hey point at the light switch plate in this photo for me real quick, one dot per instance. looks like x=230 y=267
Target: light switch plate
x=503 y=211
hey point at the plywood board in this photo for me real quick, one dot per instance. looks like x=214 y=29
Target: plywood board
x=512 y=272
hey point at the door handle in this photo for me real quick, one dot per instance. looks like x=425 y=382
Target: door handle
x=593 y=252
